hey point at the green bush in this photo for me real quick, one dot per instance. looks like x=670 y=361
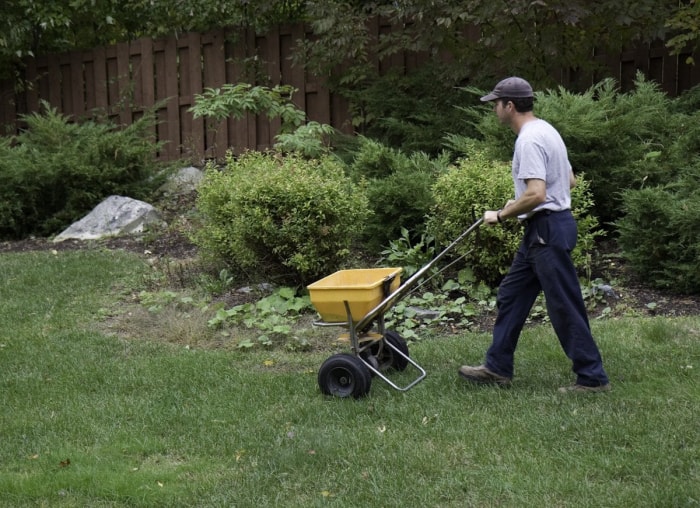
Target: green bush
x=275 y=216
x=660 y=233
x=56 y=170
x=398 y=188
x=479 y=183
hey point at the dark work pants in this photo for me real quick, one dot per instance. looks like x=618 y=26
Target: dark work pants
x=543 y=262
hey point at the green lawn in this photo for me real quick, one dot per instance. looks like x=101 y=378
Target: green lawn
x=92 y=420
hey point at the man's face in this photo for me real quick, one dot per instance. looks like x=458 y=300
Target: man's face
x=503 y=111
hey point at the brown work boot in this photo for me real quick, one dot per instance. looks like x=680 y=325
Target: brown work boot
x=482 y=375
x=585 y=389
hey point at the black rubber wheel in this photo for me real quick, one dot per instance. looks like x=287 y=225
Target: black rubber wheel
x=344 y=375
x=396 y=361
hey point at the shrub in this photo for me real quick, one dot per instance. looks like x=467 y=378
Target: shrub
x=659 y=233
x=474 y=185
x=478 y=183
x=280 y=216
x=56 y=171
x=398 y=188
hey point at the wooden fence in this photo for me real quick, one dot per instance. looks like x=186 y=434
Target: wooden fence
x=124 y=80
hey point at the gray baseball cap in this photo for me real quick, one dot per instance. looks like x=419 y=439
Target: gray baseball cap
x=512 y=88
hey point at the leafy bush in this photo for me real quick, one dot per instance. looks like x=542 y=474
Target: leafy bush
x=56 y=171
x=474 y=185
x=235 y=100
x=309 y=140
x=659 y=233
x=280 y=216
x=478 y=183
x=398 y=187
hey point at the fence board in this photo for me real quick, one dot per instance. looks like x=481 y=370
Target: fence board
x=77 y=84
x=213 y=56
x=100 y=80
x=8 y=113
x=56 y=83
x=172 y=117
x=33 y=90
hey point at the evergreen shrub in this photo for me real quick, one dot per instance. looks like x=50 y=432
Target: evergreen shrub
x=660 y=233
x=398 y=188
x=55 y=171
x=478 y=183
x=280 y=216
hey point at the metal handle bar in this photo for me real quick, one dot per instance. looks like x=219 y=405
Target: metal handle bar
x=403 y=290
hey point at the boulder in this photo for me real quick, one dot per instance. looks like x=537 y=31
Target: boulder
x=116 y=215
x=183 y=182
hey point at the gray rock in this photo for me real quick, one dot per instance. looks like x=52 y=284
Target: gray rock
x=424 y=314
x=184 y=181
x=116 y=215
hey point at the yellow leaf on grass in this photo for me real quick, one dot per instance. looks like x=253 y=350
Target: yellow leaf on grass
x=268 y=363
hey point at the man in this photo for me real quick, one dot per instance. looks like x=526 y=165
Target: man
x=543 y=180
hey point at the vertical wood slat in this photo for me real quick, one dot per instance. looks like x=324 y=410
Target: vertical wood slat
x=262 y=128
x=194 y=74
x=296 y=75
x=274 y=70
x=112 y=82
x=77 y=86
x=8 y=112
x=55 y=83
x=100 y=80
x=32 y=93
x=124 y=83
x=213 y=57
x=89 y=80
x=237 y=128
x=251 y=130
x=160 y=96
x=146 y=77
x=172 y=117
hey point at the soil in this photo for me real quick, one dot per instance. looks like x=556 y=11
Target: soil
x=629 y=295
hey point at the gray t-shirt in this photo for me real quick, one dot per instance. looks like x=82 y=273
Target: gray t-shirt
x=541 y=153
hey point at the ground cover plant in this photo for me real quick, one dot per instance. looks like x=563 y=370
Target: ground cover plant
x=91 y=418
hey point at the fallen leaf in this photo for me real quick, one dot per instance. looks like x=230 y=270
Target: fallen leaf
x=34 y=457
x=312 y=452
x=268 y=363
